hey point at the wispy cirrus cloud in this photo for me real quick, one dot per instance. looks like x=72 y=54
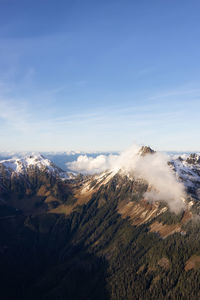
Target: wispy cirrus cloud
x=15 y=115
x=149 y=121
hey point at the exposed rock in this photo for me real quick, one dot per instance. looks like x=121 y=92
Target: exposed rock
x=193 y=159
x=146 y=150
x=164 y=230
x=140 y=212
x=193 y=263
x=164 y=263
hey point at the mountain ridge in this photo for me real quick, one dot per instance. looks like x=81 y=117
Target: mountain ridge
x=98 y=232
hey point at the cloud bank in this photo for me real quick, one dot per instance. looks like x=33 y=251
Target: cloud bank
x=91 y=165
x=154 y=168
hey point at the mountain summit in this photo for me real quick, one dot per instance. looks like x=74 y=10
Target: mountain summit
x=146 y=150
x=22 y=165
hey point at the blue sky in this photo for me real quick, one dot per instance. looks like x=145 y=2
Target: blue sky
x=99 y=75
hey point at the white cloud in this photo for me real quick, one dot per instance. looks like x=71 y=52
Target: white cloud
x=92 y=165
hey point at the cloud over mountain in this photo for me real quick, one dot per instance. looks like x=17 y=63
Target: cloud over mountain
x=152 y=167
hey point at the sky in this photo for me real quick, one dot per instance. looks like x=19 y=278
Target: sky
x=99 y=75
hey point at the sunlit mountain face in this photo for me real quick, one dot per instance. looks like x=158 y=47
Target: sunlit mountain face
x=129 y=230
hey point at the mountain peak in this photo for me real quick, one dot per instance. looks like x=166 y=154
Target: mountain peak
x=21 y=165
x=146 y=150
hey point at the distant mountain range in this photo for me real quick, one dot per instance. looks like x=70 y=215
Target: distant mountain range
x=129 y=232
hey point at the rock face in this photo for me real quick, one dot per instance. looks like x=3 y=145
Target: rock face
x=96 y=232
x=192 y=263
x=193 y=159
x=146 y=150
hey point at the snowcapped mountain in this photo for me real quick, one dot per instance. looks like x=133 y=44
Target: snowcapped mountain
x=21 y=166
x=145 y=163
x=187 y=169
x=33 y=184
